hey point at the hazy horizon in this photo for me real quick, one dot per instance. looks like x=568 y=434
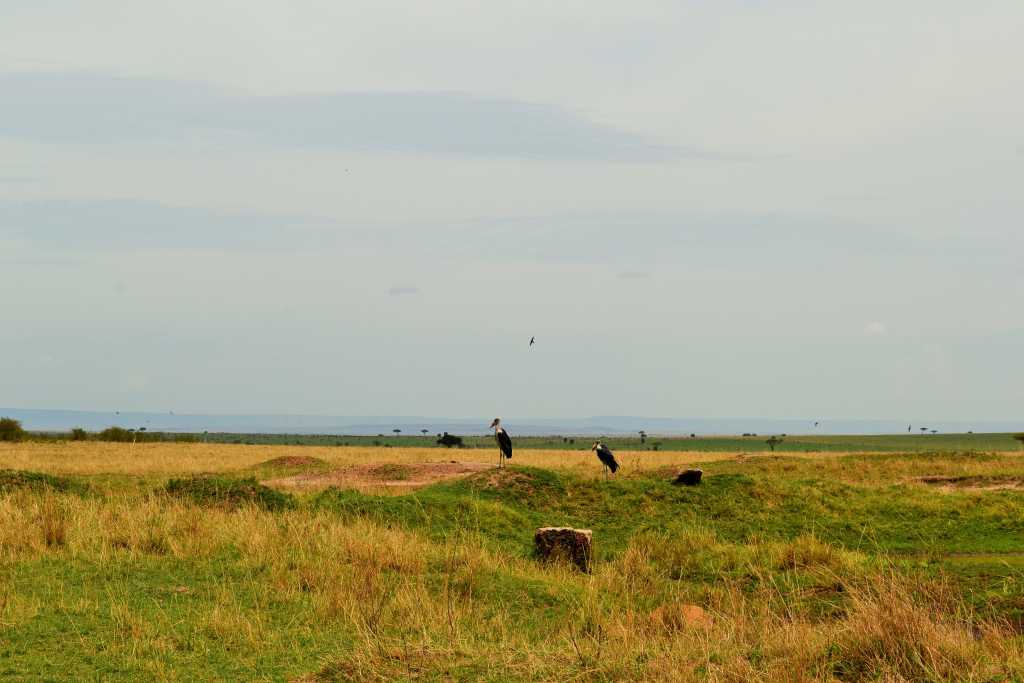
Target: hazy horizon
x=64 y=420
x=792 y=211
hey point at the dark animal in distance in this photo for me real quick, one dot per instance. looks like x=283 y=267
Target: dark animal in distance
x=532 y=340
x=607 y=458
x=504 y=441
x=450 y=440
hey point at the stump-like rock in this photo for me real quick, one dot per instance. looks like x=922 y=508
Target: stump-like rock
x=565 y=543
x=688 y=477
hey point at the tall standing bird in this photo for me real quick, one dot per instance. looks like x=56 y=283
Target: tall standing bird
x=504 y=441
x=607 y=458
x=533 y=340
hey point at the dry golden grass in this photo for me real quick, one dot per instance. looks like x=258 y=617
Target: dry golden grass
x=92 y=457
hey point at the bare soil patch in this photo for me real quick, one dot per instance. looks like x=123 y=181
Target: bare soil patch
x=973 y=482
x=400 y=477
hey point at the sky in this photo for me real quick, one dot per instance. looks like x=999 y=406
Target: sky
x=739 y=208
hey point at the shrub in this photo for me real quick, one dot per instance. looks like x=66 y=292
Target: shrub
x=10 y=429
x=12 y=480
x=119 y=434
x=227 y=492
x=1020 y=437
x=79 y=434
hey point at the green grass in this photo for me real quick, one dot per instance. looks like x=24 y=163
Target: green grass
x=735 y=506
x=18 y=480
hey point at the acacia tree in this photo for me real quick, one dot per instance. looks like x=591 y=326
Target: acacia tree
x=424 y=431
x=10 y=429
x=643 y=436
x=773 y=442
x=397 y=431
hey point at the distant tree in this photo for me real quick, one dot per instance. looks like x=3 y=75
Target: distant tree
x=397 y=431
x=117 y=434
x=424 y=431
x=935 y=431
x=643 y=436
x=10 y=429
x=773 y=442
x=924 y=429
x=79 y=434
x=1020 y=437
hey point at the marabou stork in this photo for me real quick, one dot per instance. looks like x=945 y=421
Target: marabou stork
x=504 y=441
x=607 y=458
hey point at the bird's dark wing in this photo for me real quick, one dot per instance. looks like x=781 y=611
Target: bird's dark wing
x=504 y=442
x=607 y=457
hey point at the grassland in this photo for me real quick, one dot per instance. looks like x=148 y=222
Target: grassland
x=827 y=565
x=866 y=443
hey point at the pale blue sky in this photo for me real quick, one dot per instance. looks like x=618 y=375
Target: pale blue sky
x=700 y=209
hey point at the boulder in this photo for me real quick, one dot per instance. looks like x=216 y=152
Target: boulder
x=688 y=477
x=565 y=543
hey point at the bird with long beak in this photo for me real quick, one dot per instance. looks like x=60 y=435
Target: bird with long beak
x=607 y=458
x=504 y=441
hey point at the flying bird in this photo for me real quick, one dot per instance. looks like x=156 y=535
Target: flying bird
x=504 y=441
x=607 y=458
x=532 y=340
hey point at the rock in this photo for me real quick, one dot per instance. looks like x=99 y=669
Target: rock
x=689 y=477
x=565 y=543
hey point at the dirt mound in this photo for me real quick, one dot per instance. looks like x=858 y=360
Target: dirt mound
x=293 y=461
x=974 y=483
x=502 y=479
x=399 y=476
x=227 y=493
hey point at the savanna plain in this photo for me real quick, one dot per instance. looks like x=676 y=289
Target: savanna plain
x=235 y=562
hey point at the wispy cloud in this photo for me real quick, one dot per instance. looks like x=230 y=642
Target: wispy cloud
x=132 y=224
x=403 y=290
x=108 y=110
x=876 y=329
x=634 y=275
